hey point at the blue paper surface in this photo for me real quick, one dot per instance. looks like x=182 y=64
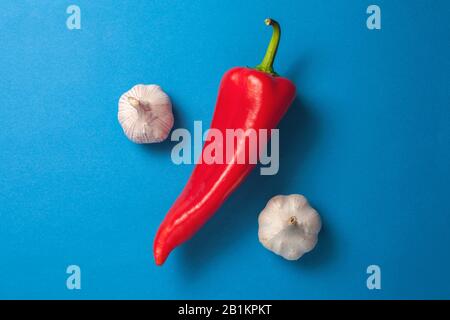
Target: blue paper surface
x=366 y=141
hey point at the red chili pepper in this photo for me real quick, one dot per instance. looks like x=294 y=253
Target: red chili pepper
x=248 y=99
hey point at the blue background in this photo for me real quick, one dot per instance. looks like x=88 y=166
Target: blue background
x=367 y=141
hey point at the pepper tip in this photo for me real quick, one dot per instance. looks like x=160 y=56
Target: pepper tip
x=159 y=261
x=160 y=257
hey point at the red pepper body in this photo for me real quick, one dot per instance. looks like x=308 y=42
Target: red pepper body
x=248 y=99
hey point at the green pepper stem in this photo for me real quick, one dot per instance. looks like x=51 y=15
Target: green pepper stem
x=267 y=64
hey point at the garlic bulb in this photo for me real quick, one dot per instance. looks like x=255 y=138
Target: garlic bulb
x=289 y=226
x=145 y=114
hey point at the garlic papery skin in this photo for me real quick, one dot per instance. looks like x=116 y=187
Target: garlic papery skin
x=145 y=114
x=289 y=226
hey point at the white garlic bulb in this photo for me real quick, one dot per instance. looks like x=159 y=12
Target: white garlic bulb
x=289 y=226
x=145 y=114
